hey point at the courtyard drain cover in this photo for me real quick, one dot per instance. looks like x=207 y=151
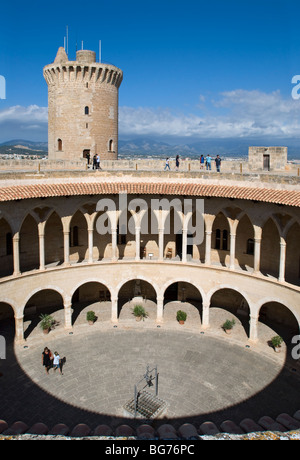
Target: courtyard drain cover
x=148 y=406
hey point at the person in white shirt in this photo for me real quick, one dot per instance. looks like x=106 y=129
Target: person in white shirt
x=56 y=362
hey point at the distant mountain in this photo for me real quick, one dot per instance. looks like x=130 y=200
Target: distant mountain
x=147 y=147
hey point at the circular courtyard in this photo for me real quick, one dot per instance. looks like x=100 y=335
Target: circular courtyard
x=201 y=376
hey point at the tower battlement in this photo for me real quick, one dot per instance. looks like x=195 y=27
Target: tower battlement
x=82 y=107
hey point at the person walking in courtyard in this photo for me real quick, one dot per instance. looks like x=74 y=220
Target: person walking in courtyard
x=218 y=163
x=98 y=162
x=167 y=165
x=177 y=162
x=208 y=162
x=56 y=362
x=202 y=162
x=47 y=359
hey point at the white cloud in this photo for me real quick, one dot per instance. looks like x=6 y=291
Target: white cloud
x=247 y=114
x=231 y=114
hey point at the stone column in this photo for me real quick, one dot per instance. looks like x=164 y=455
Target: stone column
x=19 y=329
x=91 y=244
x=137 y=243
x=208 y=247
x=160 y=310
x=257 y=252
x=66 y=248
x=205 y=314
x=68 y=314
x=253 y=328
x=42 y=249
x=232 y=250
x=16 y=254
x=161 y=244
x=282 y=260
x=184 y=245
x=114 y=244
x=114 y=309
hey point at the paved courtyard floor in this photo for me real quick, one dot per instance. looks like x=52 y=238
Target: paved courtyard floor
x=203 y=375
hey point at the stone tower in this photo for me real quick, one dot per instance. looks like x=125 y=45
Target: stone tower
x=82 y=107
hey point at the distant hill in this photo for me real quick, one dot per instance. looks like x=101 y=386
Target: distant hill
x=147 y=147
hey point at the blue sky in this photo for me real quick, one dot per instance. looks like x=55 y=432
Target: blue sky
x=192 y=70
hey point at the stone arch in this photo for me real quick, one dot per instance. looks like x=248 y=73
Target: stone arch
x=91 y=295
x=220 y=240
x=6 y=248
x=292 y=270
x=133 y=291
x=78 y=237
x=197 y=248
x=173 y=226
x=149 y=235
x=183 y=295
x=125 y=235
x=227 y=302
x=279 y=318
x=29 y=244
x=7 y=320
x=54 y=240
x=102 y=235
x=49 y=300
x=270 y=249
x=244 y=233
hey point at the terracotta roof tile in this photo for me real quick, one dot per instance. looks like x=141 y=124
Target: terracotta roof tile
x=269 y=195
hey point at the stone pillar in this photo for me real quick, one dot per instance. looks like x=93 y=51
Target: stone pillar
x=137 y=243
x=232 y=250
x=68 y=314
x=114 y=309
x=253 y=328
x=16 y=254
x=91 y=244
x=282 y=260
x=160 y=310
x=66 y=248
x=114 y=244
x=19 y=329
x=208 y=247
x=205 y=314
x=257 y=252
x=161 y=244
x=42 y=250
x=184 y=245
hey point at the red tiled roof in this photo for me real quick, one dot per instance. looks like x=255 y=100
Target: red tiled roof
x=268 y=195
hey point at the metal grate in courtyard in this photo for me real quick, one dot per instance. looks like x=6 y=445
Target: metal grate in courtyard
x=148 y=406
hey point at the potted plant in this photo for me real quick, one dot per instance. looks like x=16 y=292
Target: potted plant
x=91 y=317
x=139 y=312
x=228 y=325
x=276 y=342
x=181 y=316
x=46 y=322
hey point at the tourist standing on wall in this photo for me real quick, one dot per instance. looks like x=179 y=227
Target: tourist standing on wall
x=167 y=165
x=94 y=162
x=218 y=163
x=177 y=162
x=98 y=162
x=208 y=162
x=202 y=162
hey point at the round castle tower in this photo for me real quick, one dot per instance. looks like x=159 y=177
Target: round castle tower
x=82 y=107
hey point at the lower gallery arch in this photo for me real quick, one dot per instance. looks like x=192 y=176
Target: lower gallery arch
x=277 y=319
x=7 y=322
x=136 y=292
x=228 y=304
x=91 y=296
x=44 y=302
x=184 y=296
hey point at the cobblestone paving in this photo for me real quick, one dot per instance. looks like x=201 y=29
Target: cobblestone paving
x=202 y=376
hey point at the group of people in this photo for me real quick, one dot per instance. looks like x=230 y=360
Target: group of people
x=50 y=360
x=204 y=162
x=207 y=162
x=96 y=160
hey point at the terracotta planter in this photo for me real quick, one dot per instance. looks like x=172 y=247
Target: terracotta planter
x=228 y=331
x=46 y=331
x=91 y=323
x=181 y=322
x=138 y=318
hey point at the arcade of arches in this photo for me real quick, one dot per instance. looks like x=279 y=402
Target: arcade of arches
x=55 y=260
